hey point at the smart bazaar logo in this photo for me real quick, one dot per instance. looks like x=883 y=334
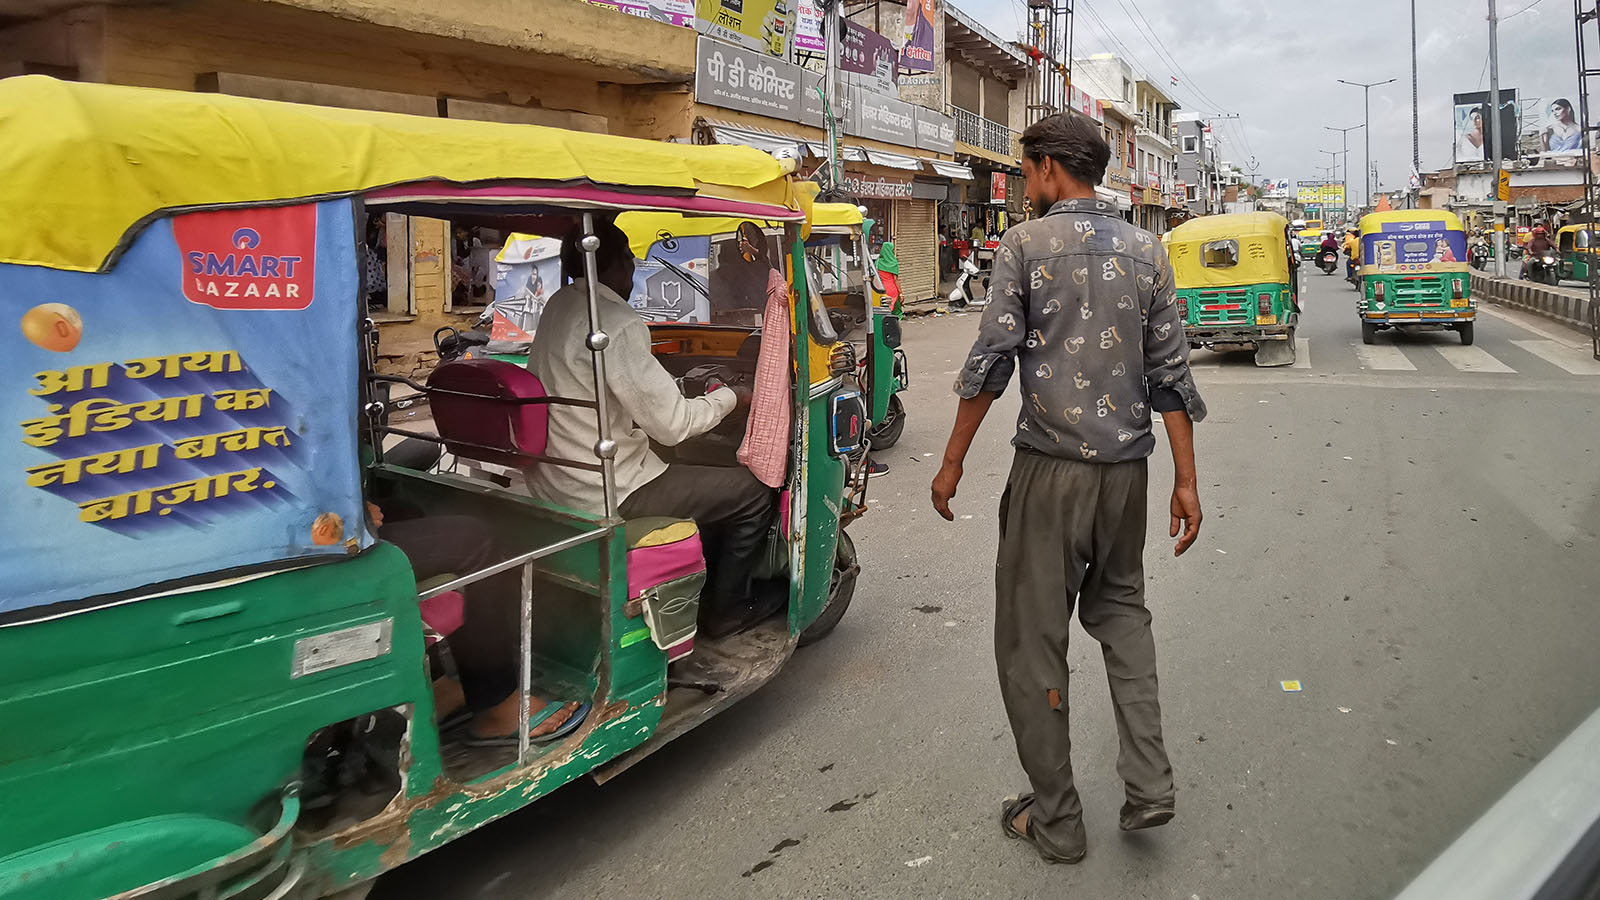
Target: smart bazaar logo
x=249 y=258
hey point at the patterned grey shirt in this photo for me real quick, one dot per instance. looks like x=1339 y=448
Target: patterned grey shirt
x=1084 y=303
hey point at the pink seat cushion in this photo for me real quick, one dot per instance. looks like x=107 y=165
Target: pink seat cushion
x=443 y=614
x=489 y=425
x=651 y=566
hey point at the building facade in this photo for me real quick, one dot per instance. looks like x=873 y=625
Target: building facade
x=1197 y=189
x=1153 y=158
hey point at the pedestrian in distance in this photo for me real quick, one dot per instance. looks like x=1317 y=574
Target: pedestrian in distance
x=1083 y=312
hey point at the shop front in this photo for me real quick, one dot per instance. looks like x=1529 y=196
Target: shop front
x=904 y=206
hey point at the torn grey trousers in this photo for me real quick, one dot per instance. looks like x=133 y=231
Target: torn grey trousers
x=1073 y=533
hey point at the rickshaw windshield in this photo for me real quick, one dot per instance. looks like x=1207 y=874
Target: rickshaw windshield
x=840 y=273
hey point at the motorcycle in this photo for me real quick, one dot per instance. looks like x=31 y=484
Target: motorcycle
x=1542 y=268
x=970 y=289
x=453 y=344
x=1479 y=256
x=1328 y=261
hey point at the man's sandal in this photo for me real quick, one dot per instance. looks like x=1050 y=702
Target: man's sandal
x=1012 y=807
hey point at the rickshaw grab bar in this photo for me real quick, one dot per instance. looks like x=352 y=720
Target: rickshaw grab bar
x=536 y=457
x=522 y=559
x=519 y=401
x=211 y=873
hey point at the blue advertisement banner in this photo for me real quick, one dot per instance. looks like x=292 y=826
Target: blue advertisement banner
x=1401 y=248
x=190 y=412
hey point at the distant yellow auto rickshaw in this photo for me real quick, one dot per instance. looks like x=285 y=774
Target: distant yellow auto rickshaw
x=1238 y=284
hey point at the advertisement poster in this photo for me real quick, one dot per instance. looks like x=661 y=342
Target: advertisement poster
x=673 y=282
x=673 y=12
x=1559 y=132
x=527 y=270
x=1413 y=247
x=866 y=52
x=916 y=54
x=808 y=28
x=190 y=412
x=1474 y=126
x=764 y=26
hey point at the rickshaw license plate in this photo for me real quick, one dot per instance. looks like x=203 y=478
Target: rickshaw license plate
x=1458 y=304
x=322 y=652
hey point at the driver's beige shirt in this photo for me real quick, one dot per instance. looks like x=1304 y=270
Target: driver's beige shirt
x=644 y=399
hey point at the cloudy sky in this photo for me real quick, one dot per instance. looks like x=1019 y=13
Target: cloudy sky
x=1276 y=65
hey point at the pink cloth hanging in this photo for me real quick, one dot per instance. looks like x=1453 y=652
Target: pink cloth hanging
x=765 y=451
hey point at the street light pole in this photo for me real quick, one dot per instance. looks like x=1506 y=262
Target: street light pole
x=1366 y=113
x=1416 y=145
x=1494 y=140
x=1345 y=134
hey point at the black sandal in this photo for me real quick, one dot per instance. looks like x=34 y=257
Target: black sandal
x=1013 y=807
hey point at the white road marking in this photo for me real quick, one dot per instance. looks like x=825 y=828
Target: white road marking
x=1563 y=356
x=1302 y=353
x=1385 y=357
x=1526 y=323
x=1473 y=359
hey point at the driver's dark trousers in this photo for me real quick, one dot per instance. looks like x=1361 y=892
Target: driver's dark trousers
x=733 y=511
x=1072 y=533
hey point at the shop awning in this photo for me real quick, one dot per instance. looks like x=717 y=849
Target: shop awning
x=949 y=169
x=767 y=141
x=894 y=160
x=1119 y=199
x=853 y=154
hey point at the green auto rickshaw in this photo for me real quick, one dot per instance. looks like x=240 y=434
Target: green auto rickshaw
x=1577 y=246
x=217 y=678
x=1414 y=273
x=1238 y=284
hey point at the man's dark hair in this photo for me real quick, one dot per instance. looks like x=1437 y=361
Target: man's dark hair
x=1074 y=142
x=613 y=249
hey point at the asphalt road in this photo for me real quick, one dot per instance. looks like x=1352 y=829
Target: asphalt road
x=1409 y=531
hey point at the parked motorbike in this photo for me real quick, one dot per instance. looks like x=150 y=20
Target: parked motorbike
x=454 y=344
x=1328 y=261
x=971 y=288
x=1542 y=268
x=1479 y=256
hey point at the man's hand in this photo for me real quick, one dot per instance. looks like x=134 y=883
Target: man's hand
x=742 y=394
x=944 y=488
x=1185 y=513
x=375 y=514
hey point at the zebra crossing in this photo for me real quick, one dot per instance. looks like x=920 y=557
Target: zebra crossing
x=1529 y=356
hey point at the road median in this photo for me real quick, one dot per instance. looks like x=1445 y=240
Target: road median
x=1565 y=305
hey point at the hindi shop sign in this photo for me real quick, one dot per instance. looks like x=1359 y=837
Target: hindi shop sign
x=935 y=131
x=878 y=187
x=733 y=78
x=882 y=119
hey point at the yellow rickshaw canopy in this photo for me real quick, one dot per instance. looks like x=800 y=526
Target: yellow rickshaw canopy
x=1263 y=250
x=835 y=215
x=1375 y=221
x=86 y=164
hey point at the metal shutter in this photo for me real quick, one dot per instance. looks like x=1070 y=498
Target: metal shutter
x=916 y=245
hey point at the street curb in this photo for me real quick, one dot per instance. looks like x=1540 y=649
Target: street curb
x=1534 y=298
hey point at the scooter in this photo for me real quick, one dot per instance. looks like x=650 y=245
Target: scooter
x=1542 y=268
x=1328 y=261
x=970 y=289
x=454 y=344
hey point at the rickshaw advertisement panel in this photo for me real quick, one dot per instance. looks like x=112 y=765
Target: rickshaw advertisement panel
x=1413 y=248
x=188 y=412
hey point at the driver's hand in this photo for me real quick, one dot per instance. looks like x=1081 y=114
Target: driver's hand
x=742 y=395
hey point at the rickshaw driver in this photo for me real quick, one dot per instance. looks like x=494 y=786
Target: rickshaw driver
x=645 y=404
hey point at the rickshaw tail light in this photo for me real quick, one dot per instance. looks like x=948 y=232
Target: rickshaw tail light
x=1377 y=290
x=1264 y=313
x=1457 y=292
x=842 y=358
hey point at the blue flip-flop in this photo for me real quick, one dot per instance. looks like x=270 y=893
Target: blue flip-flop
x=536 y=717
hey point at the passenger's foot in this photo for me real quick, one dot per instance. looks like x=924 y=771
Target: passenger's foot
x=448 y=699
x=743 y=616
x=500 y=720
x=1145 y=815
x=874 y=469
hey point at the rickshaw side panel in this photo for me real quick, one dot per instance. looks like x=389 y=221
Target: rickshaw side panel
x=192 y=708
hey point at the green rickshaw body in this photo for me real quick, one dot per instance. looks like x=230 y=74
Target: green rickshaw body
x=1577 y=246
x=1414 y=271
x=197 y=597
x=1236 y=284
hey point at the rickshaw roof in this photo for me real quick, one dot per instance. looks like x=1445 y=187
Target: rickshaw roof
x=87 y=164
x=1375 y=221
x=1263 y=251
x=1573 y=228
x=644 y=229
x=1230 y=225
x=835 y=215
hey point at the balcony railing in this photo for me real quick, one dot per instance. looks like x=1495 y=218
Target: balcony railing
x=974 y=129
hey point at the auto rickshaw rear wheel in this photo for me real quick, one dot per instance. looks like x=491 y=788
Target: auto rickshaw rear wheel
x=1369 y=333
x=886 y=433
x=1466 y=333
x=841 y=588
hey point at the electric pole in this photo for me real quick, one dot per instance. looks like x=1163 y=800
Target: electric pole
x=1494 y=142
x=1416 y=145
x=1366 y=113
x=1345 y=134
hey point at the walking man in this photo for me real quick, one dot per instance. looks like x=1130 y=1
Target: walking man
x=1081 y=305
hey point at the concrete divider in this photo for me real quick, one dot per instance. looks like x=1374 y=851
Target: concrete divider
x=1566 y=305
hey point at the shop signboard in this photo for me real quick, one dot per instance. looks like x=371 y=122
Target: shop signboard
x=673 y=12
x=878 y=187
x=868 y=53
x=997 y=188
x=882 y=118
x=935 y=131
x=763 y=26
x=1080 y=100
x=808 y=27
x=735 y=78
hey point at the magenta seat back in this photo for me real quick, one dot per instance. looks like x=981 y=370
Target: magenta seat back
x=488 y=423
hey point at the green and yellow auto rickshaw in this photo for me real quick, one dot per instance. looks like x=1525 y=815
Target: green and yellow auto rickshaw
x=1414 y=273
x=1310 y=239
x=1238 y=284
x=217 y=675
x=1577 y=246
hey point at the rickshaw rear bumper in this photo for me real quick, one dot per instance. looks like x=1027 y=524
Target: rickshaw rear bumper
x=1441 y=317
x=1236 y=334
